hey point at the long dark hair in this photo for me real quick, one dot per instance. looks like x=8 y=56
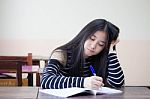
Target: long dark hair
x=76 y=47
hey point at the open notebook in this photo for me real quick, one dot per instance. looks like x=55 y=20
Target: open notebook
x=67 y=92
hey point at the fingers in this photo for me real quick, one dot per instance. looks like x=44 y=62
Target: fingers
x=114 y=42
x=97 y=78
x=93 y=82
x=95 y=86
x=97 y=82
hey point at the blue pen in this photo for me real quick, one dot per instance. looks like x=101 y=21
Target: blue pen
x=92 y=69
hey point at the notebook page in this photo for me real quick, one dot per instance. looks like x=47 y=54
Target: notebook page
x=66 y=92
x=107 y=90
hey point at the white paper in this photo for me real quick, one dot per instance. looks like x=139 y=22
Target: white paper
x=67 y=92
x=106 y=90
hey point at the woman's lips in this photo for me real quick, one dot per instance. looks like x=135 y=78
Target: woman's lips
x=91 y=50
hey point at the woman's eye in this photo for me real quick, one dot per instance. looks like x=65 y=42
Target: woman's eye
x=92 y=38
x=100 y=44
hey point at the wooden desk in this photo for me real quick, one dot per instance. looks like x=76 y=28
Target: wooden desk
x=18 y=92
x=33 y=93
x=128 y=93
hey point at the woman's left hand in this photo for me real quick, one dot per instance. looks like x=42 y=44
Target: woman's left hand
x=113 y=43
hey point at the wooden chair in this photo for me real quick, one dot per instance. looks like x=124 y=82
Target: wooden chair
x=11 y=67
x=37 y=61
x=25 y=59
x=16 y=62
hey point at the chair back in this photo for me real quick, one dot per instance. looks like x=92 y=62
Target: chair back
x=27 y=60
x=13 y=64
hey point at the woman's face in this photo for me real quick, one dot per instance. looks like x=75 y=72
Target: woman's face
x=95 y=44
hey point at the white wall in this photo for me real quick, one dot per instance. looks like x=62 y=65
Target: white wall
x=38 y=26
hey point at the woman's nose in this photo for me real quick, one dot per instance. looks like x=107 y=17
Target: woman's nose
x=93 y=45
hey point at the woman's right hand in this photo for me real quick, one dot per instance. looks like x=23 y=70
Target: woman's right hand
x=93 y=82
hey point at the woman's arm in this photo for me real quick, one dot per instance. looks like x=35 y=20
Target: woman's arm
x=115 y=76
x=52 y=78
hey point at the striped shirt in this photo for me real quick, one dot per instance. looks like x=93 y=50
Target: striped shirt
x=54 y=78
x=115 y=74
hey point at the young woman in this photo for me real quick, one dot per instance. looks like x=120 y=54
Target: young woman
x=69 y=65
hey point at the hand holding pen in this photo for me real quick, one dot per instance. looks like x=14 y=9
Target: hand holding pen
x=93 y=82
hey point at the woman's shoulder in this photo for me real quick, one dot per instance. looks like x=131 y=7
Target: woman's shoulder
x=59 y=55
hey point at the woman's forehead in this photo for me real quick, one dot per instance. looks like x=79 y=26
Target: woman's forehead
x=100 y=35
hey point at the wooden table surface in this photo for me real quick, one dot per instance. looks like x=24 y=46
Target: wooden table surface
x=18 y=92
x=33 y=93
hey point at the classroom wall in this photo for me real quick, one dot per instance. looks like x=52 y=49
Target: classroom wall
x=39 y=26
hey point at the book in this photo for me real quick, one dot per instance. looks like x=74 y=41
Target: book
x=68 y=92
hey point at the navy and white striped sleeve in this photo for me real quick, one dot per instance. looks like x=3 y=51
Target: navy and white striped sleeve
x=115 y=73
x=53 y=79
